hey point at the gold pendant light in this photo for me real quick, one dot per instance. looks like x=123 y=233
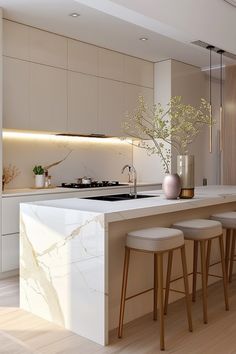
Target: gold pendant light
x=210 y=48
x=221 y=52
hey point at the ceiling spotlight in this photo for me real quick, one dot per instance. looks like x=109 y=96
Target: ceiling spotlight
x=143 y=39
x=74 y=14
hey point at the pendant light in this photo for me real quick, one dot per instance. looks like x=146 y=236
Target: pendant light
x=210 y=48
x=221 y=52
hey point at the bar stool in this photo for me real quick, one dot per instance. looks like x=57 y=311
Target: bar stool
x=157 y=240
x=203 y=231
x=228 y=221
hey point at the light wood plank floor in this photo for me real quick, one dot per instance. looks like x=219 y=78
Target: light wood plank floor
x=23 y=333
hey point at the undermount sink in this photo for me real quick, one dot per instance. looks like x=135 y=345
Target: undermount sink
x=119 y=197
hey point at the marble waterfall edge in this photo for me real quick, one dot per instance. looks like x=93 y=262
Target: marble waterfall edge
x=62 y=276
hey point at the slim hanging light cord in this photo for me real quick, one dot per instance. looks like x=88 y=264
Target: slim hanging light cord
x=210 y=47
x=221 y=52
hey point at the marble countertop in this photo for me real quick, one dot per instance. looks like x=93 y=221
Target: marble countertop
x=157 y=204
x=32 y=191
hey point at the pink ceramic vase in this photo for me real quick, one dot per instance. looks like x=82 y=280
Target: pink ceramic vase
x=171 y=186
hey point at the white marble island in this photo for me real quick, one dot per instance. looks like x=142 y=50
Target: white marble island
x=71 y=255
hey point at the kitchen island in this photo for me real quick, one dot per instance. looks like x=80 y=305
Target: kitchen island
x=72 y=251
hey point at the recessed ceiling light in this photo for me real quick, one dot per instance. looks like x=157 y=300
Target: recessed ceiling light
x=74 y=14
x=143 y=39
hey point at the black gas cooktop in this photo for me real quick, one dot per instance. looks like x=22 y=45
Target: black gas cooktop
x=93 y=184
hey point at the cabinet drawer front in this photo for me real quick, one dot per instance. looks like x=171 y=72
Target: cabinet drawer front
x=10 y=252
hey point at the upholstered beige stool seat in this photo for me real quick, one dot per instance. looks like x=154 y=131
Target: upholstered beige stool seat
x=228 y=221
x=157 y=241
x=199 y=229
x=202 y=232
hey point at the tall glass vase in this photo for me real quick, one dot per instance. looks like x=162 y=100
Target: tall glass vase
x=185 y=169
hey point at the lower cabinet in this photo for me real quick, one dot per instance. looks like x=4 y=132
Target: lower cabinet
x=10 y=252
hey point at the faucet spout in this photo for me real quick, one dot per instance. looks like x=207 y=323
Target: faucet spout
x=132 y=170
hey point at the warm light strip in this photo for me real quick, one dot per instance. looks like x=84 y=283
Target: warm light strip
x=55 y=138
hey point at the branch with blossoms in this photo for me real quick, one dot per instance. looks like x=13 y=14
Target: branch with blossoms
x=175 y=126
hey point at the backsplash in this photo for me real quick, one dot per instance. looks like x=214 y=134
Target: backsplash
x=99 y=160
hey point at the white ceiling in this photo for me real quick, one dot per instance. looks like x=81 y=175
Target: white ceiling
x=169 y=25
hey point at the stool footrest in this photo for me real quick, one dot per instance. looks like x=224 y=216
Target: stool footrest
x=140 y=293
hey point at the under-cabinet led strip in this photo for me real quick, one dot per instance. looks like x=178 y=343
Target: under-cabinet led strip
x=67 y=139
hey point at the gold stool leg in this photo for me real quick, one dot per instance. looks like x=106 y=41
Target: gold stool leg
x=204 y=280
x=227 y=250
x=186 y=287
x=232 y=256
x=168 y=275
x=155 y=288
x=225 y=279
x=160 y=299
x=195 y=259
x=123 y=291
x=208 y=258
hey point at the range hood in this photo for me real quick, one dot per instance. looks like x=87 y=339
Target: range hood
x=103 y=136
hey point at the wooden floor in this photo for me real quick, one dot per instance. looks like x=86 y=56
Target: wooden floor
x=23 y=333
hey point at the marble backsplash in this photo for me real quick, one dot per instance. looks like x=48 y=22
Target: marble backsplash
x=99 y=160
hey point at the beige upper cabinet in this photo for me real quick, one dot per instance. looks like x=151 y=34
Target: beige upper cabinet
x=15 y=40
x=82 y=57
x=48 y=98
x=138 y=71
x=132 y=92
x=16 y=74
x=111 y=64
x=111 y=107
x=48 y=48
x=53 y=83
x=82 y=103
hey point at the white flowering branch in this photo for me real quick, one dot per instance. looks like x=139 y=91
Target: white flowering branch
x=176 y=126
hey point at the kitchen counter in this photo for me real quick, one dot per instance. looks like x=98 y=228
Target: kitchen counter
x=72 y=253
x=31 y=191
x=156 y=204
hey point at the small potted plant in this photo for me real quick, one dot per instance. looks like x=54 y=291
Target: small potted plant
x=39 y=176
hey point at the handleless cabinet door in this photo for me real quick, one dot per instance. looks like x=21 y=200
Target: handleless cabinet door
x=82 y=103
x=111 y=64
x=82 y=57
x=111 y=107
x=138 y=71
x=48 y=48
x=10 y=252
x=132 y=92
x=16 y=74
x=15 y=40
x=48 y=98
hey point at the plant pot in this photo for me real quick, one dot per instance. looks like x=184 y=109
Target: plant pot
x=185 y=169
x=39 y=181
x=171 y=186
